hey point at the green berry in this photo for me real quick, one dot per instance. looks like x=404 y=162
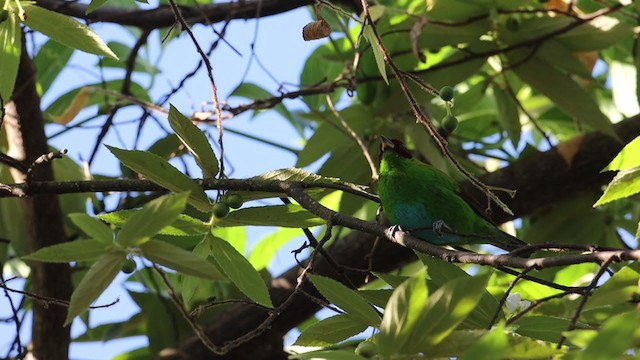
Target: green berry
x=4 y=15
x=235 y=201
x=446 y=93
x=449 y=123
x=367 y=349
x=220 y=209
x=128 y=266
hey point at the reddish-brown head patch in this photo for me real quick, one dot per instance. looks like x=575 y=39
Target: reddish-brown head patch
x=394 y=145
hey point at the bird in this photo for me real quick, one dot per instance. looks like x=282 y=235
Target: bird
x=430 y=205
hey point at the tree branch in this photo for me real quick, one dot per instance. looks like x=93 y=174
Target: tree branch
x=162 y=16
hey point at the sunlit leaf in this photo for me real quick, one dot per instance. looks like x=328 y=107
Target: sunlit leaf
x=66 y=30
x=623 y=185
x=180 y=260
x=79 y=250
x=93 y=227
x=330 y=331
x=164 y=174
x=491 y=346
x=10 y=49
x=184 y=225
x=50 y=60
x=347 y=299
x=377 y=52
x=289 y=215
x=622 y=287
x=153 y=216
x=615 y=338
x=627 y=158
x=239 y=271
x=266 y=248
x=195 y=140
x=99 y=276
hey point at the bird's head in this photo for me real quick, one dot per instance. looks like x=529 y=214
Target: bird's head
x=393 y=146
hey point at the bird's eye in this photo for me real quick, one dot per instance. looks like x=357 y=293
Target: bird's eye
x=401 y=149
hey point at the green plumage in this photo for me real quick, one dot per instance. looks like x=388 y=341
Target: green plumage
x=416 y=196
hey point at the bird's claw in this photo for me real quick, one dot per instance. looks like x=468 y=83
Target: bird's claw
x=440 y=227
x=394 y=229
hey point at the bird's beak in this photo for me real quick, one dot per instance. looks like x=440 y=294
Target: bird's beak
x=385 y=143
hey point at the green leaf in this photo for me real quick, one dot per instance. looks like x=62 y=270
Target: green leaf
x=491 y=346
x=189 y=283
x=195 y=140
x=328 y=355
x=289 y=215
x=377 y=52
x=597 y=34
x=10 y=49
x=123 y=51
x=508 y=116
x=402 y=314
x=153 y=216
x=623 y=185
x=266 y=248
x=320 y=66
x=255 y=92
x=562 y=90
x=330 y=331
x=93 y=227
x=411 y=324
x=158 y=313
x=348 y=300
x=295 y=175
x=378 y=297
x=79 y=250
x=393 y=280
x=615 y=338
x=66 y=30
x=99 y=276
x=546 y=328
x=628 y=157
x=179 y=260
x=623 y=90
x=50 y=60
x=58 y=107
x=164 y=174
x=441 y=273
x=556 y=53
x=184 y=225
x=445 y=309
x=620 y=288
x=239 y=271
x=94 y=5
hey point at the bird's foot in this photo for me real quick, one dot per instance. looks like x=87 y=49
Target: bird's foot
x=440 y=228
x=394 y=229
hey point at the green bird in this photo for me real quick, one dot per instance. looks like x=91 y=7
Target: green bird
x=430 y=205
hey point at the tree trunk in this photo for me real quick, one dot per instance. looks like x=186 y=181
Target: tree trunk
x=24 y=125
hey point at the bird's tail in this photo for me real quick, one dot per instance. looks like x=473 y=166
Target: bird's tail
x=505 y=241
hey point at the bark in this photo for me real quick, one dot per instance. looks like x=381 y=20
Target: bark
x=542 y=180
x=24 y=125
x=163 y=17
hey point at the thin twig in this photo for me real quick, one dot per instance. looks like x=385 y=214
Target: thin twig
x=355 y=137
x=585 y=297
